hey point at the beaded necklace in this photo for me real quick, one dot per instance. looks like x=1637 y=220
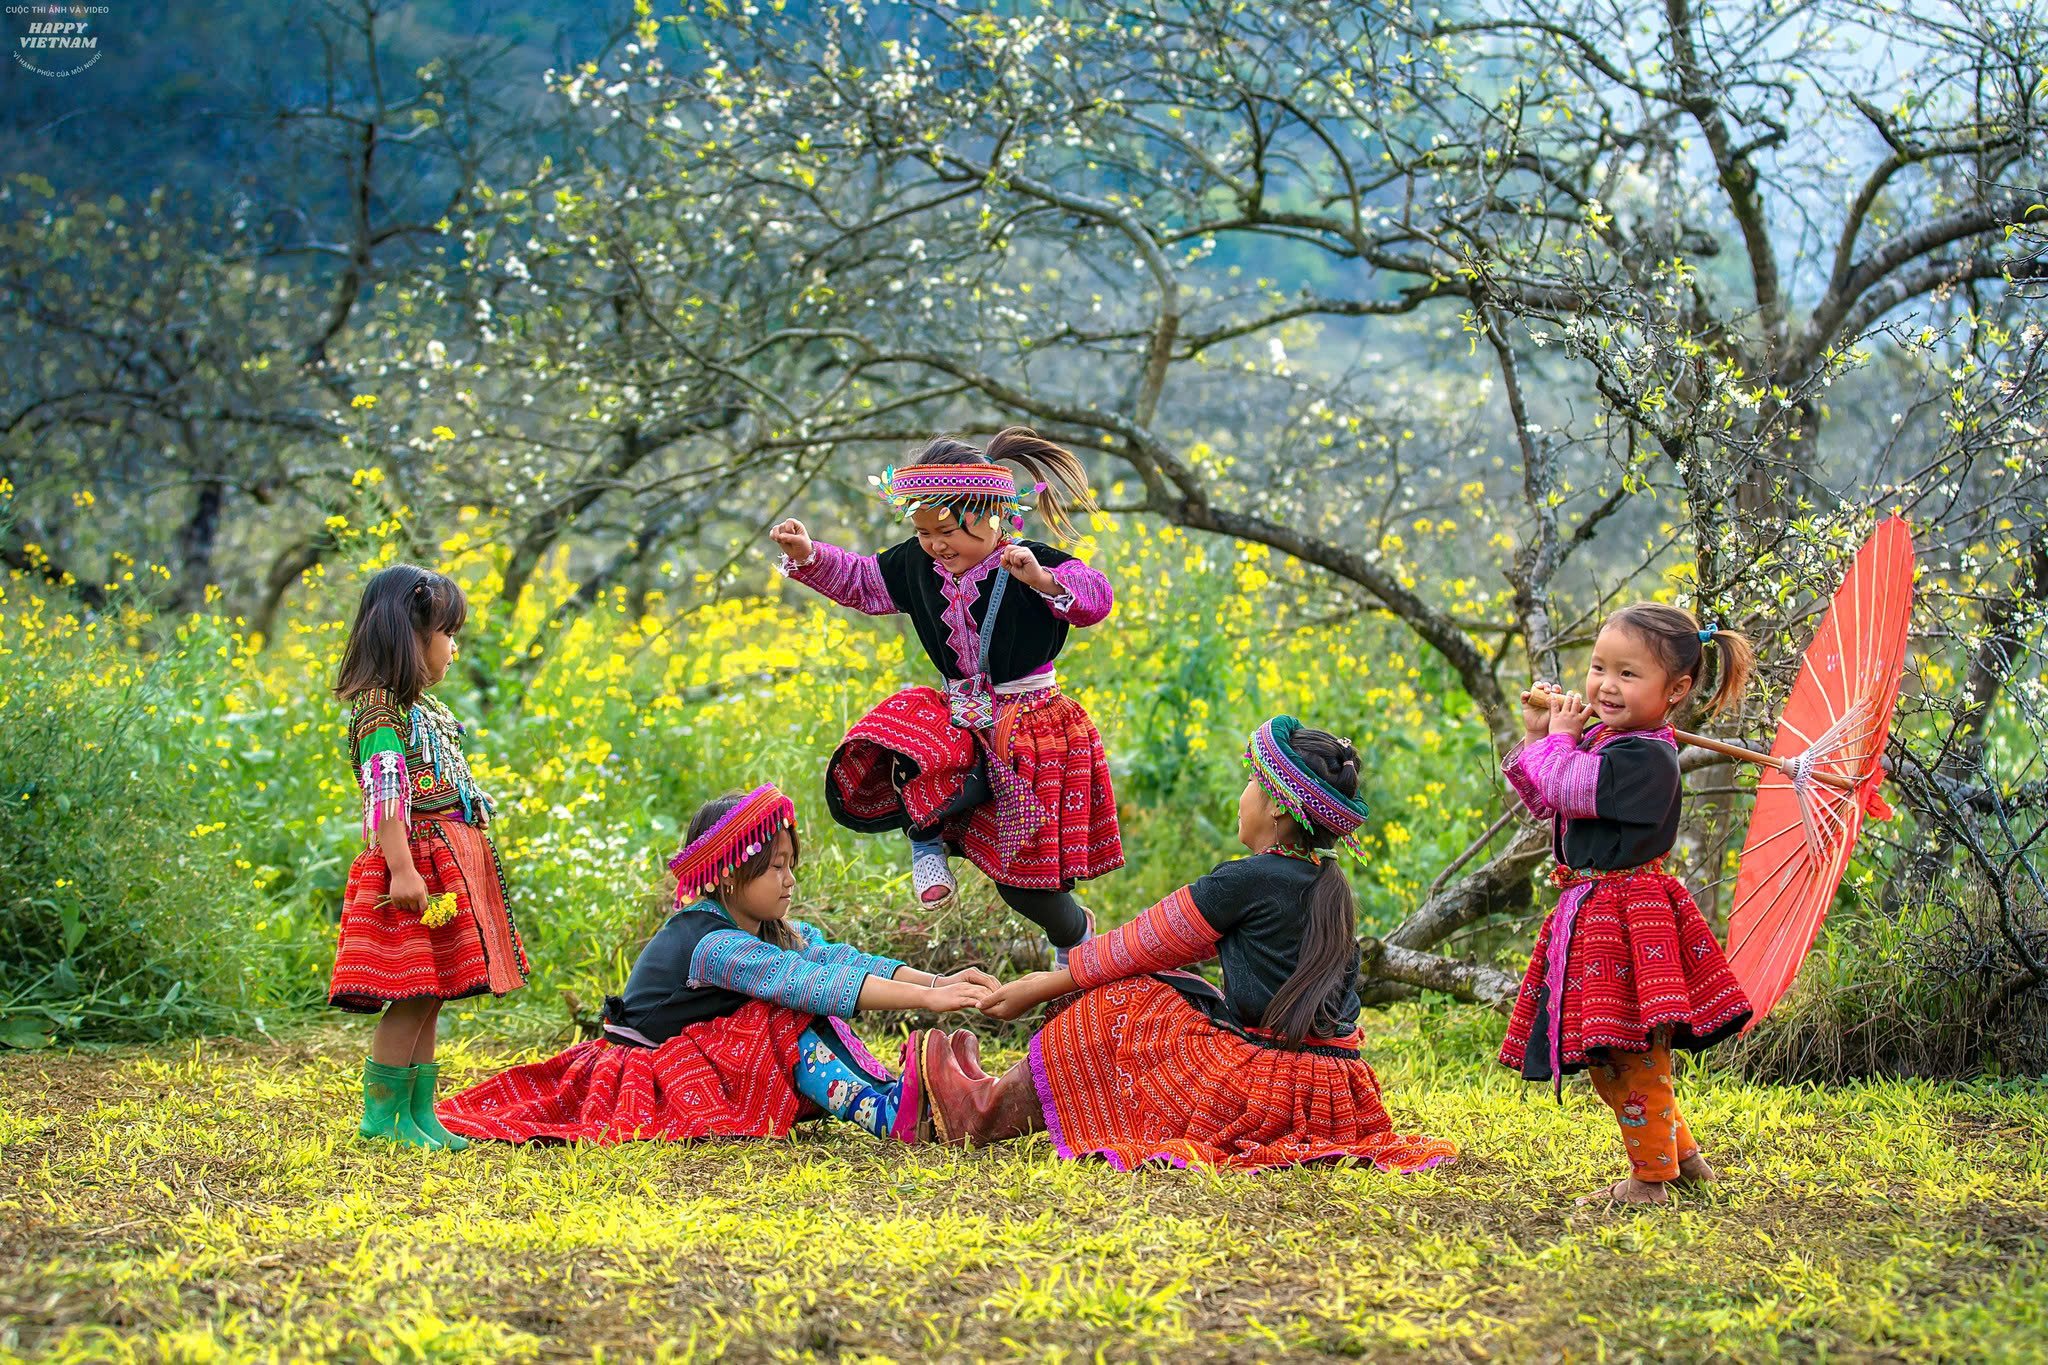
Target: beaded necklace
x=1303 y=855
x=438 y=736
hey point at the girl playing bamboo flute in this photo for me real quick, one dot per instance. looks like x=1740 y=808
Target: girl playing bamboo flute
x=734 y=1019
x=1625 y=968
x=999 y=765
x=1150 y=1063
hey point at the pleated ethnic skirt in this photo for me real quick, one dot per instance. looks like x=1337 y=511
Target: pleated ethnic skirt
x=1640 y=958
x=384 y=954
x=1133 y=1073
x=726 y=1077
x=1062 y=829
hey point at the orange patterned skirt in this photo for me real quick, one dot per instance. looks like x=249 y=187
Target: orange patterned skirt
x=1133 y=1073
x=386 y=954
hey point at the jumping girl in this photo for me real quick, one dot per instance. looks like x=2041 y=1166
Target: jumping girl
x=1625 y=968
x=733 y=1022
x=1150 y=1063
x=999 y=765
x=424 y=918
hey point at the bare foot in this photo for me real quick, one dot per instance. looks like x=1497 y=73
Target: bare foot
x=1695 y=1169
x=1629 y=1191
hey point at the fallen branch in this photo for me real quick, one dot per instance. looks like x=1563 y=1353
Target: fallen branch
x=1474 y=982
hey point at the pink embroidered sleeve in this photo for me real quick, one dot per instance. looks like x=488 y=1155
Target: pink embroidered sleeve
x=849 y=579
x=1170 y=934
x=1554 y=777
x=1084 y=597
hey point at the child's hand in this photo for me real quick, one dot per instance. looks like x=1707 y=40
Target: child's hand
x=972 y=975
x=948 y=995
x=1569 y=715
x=1025 y=568
x=794 y=540
x=1015 y=999
x=408 y=891
x=1536 y=709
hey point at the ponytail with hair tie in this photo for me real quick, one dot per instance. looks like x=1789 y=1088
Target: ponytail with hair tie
x=1681 y=643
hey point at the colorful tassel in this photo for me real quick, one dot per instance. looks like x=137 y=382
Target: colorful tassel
x=387 y=791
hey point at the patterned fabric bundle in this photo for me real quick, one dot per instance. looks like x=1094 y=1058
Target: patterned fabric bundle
x=971 y=491
x=1054 y=822
x=1133 y=1073
x=1313 y=803
x=740 y=833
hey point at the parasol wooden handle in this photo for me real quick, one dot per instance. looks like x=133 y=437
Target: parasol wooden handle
x=1835 y=780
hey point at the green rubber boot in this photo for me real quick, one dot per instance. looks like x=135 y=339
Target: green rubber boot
x=425 y=1076
x=387 y=1106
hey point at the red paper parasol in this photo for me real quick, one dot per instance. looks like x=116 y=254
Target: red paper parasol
x=1821 y=778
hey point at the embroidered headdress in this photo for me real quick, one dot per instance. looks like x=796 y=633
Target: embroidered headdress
x=968 y=490
x=1308 y=798
x=740 y=833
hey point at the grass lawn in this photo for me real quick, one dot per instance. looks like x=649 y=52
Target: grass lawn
x=209 y=1201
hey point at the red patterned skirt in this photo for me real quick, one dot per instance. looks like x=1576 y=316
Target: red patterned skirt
x=726 y=1077
x=1053 y=819
x=1133 y=1073
x=1640 y=957
x=386 y=954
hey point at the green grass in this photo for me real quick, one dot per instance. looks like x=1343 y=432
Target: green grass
x=209 y=1201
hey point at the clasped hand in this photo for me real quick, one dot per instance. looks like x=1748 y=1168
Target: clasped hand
x=969 y=988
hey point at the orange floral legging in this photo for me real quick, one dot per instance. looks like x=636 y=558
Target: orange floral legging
x=1637 y=1087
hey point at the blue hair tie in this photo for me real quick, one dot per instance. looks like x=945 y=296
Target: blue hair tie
x=1707 y=635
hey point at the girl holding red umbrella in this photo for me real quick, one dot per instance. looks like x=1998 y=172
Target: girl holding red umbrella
x=1625 y=968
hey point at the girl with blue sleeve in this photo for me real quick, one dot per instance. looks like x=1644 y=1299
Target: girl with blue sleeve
x=733 y=1020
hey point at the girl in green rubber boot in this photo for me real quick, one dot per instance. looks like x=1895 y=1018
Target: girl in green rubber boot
x=424 y=920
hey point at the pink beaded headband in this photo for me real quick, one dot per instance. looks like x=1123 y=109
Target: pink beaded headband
x=740 y=833
x=987 y=489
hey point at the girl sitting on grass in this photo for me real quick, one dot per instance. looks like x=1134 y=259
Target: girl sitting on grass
x=1625 y=968
x=424 y=918
x=1151 y=1063
x=733 y=1021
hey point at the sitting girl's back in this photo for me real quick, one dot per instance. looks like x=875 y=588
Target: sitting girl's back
x=1152 y=1063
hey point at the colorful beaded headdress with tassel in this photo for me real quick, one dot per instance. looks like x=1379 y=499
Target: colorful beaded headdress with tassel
x=967 y=490
x=1313 y=802
x=740 y=833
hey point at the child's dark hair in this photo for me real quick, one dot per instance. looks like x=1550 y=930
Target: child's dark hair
x=401 y=605
x=1675 y=634
x=775 y=931
x=1300 y=1009
x=1066 y=483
